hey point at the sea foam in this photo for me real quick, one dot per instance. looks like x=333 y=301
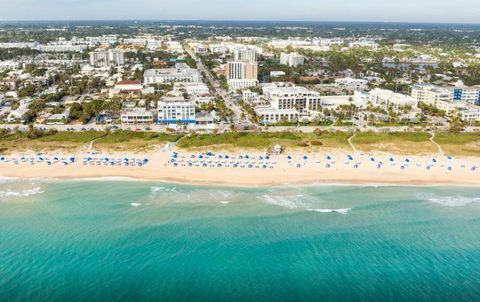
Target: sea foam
x=453 y=201
x=23 y=193
x=339 y=211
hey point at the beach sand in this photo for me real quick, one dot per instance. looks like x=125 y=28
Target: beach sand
x=313 y=170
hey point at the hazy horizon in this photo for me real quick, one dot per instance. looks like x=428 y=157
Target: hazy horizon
x=407 y=11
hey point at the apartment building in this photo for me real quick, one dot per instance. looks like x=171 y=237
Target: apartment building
x=174 y=110
x=181 y=73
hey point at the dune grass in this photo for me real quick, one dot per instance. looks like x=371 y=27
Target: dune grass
x=69 y=141
x=395 y=142
x=265 y=140
x=133 y=141
x=467 y=144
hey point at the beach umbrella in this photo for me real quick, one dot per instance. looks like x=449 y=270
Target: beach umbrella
x=434 y=160
x=267 y=157
x=305 y=157
x=329 y=157
x=372 y=159
x=327 y=166
x=392 y=159
x=289 y=157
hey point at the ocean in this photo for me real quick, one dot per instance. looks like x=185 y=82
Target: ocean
x=111 y=240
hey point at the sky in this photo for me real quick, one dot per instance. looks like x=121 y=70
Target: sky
x=445 y=11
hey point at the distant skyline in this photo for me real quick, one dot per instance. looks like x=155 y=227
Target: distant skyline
x=460 y=11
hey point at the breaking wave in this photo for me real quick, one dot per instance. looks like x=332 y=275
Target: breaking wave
x=23 y=193
x=453 y=201
x=294 y=202
x=162 y=189
x=339 y=211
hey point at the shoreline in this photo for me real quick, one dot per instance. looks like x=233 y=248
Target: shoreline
x=327 y=182
x=358 y=170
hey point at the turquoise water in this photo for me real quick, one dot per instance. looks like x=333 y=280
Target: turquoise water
x=135 y=241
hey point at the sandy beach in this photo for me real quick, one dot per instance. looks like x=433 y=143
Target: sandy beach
x=295 y=168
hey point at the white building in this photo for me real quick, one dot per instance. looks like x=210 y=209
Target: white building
x=351 y=84
x=192 y=88
x=136 y=116
x=174 y=110
x=245 y=54
x=181 y=73
x=270 y=115
x=279 y=73
x=10 y=64
x=17 y=115
x=388 y=98
x=292 y=59
x=107 y=58
x=128 y=87
x=289 y=96
x=431 y=94
x=234 y=85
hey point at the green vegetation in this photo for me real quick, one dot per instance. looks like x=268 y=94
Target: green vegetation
x=459 y=143
x=375 y=138
x=123 y=136
x=73 y=137
x=52 y=140
x=397 y=142
x=265 y=140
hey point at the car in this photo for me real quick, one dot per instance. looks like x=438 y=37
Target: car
x=148 y=129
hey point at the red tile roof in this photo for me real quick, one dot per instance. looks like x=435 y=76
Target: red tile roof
x=129 y=83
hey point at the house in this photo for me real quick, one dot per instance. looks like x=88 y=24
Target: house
x=10 y=83
x=128 y=87
x=17 y=115
x=58 y=119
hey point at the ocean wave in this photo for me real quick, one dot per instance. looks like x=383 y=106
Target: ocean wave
x=136 y=204
x=163 y=189
x=339 y=211
x=300 y=202
x=453 y=201
x=289 y=202
x=23 y=193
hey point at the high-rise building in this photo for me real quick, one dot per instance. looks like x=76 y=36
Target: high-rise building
x=242 y=70
x=245 y=54
x=292 y=59
x=107 y=58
